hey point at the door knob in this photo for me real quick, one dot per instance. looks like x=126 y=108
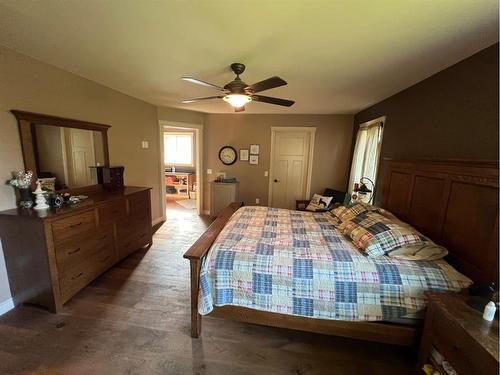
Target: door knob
x=276 y=181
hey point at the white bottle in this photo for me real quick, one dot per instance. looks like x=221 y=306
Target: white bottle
x=489 y=311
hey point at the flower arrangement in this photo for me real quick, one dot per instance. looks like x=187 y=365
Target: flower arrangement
x=21 y=179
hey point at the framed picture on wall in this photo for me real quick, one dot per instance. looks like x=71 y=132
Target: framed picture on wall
x=254 y=149
x=244 y=154
x=254 y=159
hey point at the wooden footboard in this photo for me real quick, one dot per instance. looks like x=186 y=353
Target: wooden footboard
x=195 y=255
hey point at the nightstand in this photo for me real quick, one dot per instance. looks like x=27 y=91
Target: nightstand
x=460 y=334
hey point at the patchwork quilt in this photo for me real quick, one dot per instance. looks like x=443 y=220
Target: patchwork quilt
x=298 y=263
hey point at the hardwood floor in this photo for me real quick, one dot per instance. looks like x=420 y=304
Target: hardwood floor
x=134 y=319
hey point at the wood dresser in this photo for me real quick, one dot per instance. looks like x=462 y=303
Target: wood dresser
x=51 y=256
x=460 y=334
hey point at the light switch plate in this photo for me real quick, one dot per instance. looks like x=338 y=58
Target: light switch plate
x=145 y=144
x=209 y=171
x=266 y=173
x=257 y=200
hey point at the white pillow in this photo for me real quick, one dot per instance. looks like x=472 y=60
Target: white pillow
x=319 y=203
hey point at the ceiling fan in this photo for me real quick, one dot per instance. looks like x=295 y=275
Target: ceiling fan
x=238 y=93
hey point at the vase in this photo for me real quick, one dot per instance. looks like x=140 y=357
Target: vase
x=25 y=198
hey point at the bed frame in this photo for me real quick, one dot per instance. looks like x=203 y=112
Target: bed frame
x=453 y=202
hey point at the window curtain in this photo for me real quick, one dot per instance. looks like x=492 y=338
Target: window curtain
x=366 y=153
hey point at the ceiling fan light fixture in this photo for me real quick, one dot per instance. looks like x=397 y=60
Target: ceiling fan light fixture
x=237 y=100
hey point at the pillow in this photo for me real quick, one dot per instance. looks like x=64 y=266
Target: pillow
x=377 y=235
x=344 y=213
x=319 y=203
x=419 y=251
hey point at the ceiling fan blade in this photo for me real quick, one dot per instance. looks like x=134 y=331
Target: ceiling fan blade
x=241 y=109
x=271 y=100
x=200 y=99
x=267 y=84
x=202 y=83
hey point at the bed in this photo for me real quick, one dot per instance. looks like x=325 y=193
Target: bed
x=296 y=270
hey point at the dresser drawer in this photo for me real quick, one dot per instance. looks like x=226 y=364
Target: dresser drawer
x=79 y=248
x=139 y=202
x=111 y=211
x=132 y=223
x=75 y=278
x=459 y=349
x=133 y=241
x=73 y=225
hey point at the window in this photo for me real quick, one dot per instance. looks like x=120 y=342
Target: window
x=366 y=152
x=178 y=148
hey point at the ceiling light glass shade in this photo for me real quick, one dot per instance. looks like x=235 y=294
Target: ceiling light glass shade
x=237 y=100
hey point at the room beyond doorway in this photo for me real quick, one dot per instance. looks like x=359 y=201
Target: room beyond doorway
x=180 y=163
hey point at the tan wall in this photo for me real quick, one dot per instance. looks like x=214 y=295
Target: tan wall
x=331 y=153
x=30 y=85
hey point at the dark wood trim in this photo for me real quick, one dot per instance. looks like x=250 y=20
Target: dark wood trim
x=39 y=118
x=389 y=333
x=455 y=204
x=195 y=254
x=26 y=122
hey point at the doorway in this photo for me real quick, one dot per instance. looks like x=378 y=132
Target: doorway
x=292 y=150
x=180 y=169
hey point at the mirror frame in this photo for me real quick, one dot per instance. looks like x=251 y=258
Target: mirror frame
x=26 y=122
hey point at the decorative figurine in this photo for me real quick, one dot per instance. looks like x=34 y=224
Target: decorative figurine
x=41 y=203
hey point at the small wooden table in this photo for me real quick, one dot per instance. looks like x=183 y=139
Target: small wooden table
x=189 y=178
x=459 y=333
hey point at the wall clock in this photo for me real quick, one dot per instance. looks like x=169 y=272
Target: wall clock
x=228 y=155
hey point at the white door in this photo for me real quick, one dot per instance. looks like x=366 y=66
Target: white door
x=80 y=155
x=291 y=158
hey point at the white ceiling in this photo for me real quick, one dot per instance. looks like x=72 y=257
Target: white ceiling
x=337 y=56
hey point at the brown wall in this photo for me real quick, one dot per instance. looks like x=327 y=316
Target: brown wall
x=452 y=114
x=331 y=154
x=30 y=85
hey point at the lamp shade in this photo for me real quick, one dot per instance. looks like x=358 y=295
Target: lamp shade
x=237 y=100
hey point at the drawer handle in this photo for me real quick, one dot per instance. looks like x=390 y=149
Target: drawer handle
x=74 y=251
x=75 y=225
x=77 y=276
x=105 y=259
x=102 y=238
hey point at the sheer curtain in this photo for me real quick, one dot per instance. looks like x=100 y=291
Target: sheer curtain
x=366 y=153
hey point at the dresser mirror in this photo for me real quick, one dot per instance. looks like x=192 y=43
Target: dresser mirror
x=63 y=153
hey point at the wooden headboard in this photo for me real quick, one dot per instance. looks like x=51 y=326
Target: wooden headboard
x=455 y=203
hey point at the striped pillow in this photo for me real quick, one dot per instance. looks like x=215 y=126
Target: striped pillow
x=378 y=235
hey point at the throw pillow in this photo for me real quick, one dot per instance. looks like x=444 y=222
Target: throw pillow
x=319 y=203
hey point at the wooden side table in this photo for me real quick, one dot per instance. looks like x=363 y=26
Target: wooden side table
x=460 y=334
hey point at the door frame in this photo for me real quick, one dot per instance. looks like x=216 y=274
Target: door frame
x=198 y=130
x=312 y=136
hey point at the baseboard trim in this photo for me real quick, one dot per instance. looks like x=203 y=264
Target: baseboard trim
x=6 y=306
x=157 y=221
